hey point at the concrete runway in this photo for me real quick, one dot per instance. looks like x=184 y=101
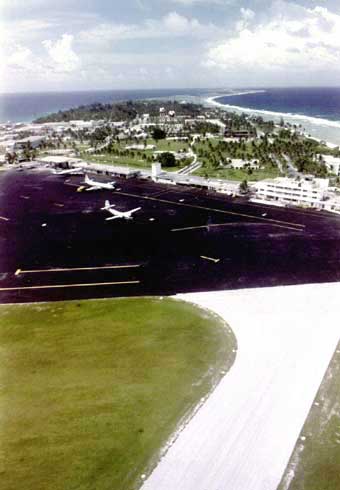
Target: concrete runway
x=55 y=243
x=244 y=433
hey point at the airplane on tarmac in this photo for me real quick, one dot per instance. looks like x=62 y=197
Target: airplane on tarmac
x=69 y=171
x=96 y=186
x=118 y=214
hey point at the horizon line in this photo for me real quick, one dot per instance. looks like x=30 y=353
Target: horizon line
x=262 y=87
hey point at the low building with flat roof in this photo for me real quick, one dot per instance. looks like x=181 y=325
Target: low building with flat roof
x=63 y=161
x=239 y=164
x=32 y=141
x=310 y=193
x=332 y=164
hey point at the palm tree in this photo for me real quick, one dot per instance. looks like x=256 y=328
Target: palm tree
x=244 y=189
x=9 y=158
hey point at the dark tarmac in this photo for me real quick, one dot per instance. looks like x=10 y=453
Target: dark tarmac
x=55 y=243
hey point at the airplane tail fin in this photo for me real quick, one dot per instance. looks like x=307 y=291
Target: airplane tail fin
x=87 y=180
x=107 y=205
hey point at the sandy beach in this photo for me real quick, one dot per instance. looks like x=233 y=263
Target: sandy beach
x=243 y=435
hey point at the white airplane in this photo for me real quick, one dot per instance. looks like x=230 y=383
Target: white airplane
x=96 y=186
x=68 y=171
x=118 y=214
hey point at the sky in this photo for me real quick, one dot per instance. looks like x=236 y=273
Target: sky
x=134 y=44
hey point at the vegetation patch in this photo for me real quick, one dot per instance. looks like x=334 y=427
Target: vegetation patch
x=92 y=390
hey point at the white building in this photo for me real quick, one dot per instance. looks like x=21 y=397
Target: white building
x=288 y=191
x=140 y=147
x=32 y=141
x=156 y=169
x=332 y=164
x=80 y=124
x=64 y=161
x=7 y=146
x=239 y=164
x=333 y=204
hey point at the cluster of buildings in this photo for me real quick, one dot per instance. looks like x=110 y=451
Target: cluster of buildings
x=303 y=192
x=282 y=191
x=332 y=164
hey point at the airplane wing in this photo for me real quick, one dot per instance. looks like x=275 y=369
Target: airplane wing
x=112 y=217
x=134 y=210
x=116 y=214
x=93 y=188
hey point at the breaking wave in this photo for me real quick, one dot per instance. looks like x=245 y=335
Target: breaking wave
x=319 y=121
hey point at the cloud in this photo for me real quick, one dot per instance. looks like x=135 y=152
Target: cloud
x=62 y=54
x=170 y=25
x=18 y=3
x=294 y=38
x=176 y=23
x=20 y=57
x=247 y=15
x=190 y=3
x=57 y=62
x=207 y=3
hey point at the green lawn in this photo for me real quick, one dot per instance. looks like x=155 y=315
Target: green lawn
x=110 y=159
x=240 y=175
x=316 y=460
x=169 y=145
x=91 y=390
x=134 y=161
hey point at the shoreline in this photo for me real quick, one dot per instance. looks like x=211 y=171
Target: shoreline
x=302 y=119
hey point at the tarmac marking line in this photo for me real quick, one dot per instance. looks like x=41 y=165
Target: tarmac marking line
x=296 y=209
x=223 y=211
x=56 y=286
x=4 y=218
x=72 y=185
x=70 y=269
x=190 y=228
x=210 y=258
x=159 y=193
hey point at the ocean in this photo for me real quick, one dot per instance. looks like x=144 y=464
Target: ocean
x=317 y=110
x=25 y=107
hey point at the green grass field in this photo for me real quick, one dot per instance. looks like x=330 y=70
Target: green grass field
x=169 y=145
x=238 y=174
x=91 y=390
x=110 y=159
x=128 y=161
x=315 y=462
